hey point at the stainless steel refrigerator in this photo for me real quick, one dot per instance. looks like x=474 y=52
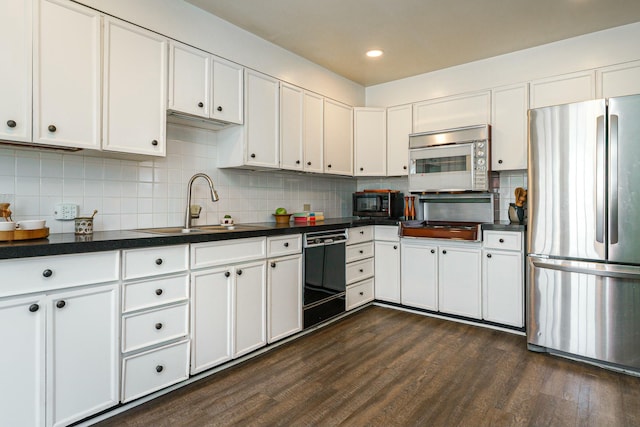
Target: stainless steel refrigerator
x=583 y=290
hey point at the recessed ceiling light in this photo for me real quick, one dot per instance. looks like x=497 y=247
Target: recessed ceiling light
x=374 y=53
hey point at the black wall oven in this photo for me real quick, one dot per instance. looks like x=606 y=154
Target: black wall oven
x=324 y=276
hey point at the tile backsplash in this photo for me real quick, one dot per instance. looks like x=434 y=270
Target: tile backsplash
x=132 y=194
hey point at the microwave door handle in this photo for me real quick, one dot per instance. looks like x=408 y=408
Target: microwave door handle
x=600 y=179
x=613 y=168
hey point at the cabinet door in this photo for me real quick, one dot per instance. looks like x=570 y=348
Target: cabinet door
x=399 y=126
x=82 y=353
x=262 y=114
x=211 y=292
x=22 y=333
x=387 y=271
x=370 y=136
x=291 y=105
x=15 y=45
x=618 y=80
x=228 y=89
x=564 y=89
x=189 y=80
x=338 y=138
x=284 y=282
x=250 y=307
x=419 y=275
x=313 y=132
x=503 y=287
x=452 y=112
x=509 y=128
x=459 y=281
x=67 y=83
x=135 y=88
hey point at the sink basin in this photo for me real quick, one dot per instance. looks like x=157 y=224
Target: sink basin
x=202 y=229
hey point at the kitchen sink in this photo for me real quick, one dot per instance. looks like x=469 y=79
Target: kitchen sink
x=202 y=229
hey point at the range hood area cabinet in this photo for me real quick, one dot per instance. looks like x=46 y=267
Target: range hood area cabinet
x=94 y=86
x=256 y=144
x=204 y=90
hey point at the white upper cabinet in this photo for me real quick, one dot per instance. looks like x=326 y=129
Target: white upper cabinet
x=399 y=126
x=67 y=82
x=227 y=91
x=203 y=85
x=15 y=91
x=291 y=127
x=564 y=89
x=509 y=127
x=452 y=111
x=257 y=143
x=370 y=136
x=338 y=138
x=189 y=80
x=618 y=80
x=134 y=90
x=313 y=132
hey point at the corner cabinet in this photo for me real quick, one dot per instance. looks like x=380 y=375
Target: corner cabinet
x=370 y=141
x=67 y=77
x=256 y=144
x=203 y=85
x=338 y=138
x=15 y=91
x=387 y=263
x=399 y=126
x=134 y=90
x=509 y=127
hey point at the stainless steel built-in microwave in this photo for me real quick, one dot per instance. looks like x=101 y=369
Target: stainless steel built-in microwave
x=450 y=160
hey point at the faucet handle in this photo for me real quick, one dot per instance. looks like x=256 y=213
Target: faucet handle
x=195 y=211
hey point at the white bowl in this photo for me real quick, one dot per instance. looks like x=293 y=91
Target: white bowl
x=7 y=225
x=32 y=224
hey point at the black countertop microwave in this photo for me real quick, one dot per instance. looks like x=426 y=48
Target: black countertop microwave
x=378 y=204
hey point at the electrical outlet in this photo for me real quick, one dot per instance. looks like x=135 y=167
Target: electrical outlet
x=65 y=211
x=307 y=207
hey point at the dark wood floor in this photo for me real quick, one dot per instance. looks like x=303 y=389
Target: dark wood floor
x=384 y=367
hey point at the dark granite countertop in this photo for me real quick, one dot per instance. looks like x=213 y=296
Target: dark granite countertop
x=69 y=243
x=504 y=226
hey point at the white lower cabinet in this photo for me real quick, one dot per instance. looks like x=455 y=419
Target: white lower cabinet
x=60 y=358
x=360 y=266
x=419 y=274
x=387 y=263
x=360 y=293
x=459 y=281
x=441 y=278
x=228 y=312
x=284 y=298
x=503 y=278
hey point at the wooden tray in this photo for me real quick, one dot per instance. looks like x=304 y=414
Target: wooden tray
x=39 y=233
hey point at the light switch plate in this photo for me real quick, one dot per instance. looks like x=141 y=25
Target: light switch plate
x=65 y=211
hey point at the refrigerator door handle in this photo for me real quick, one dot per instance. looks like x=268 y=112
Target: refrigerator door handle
x=600 y=179
x=598 y=269
x=613 y=181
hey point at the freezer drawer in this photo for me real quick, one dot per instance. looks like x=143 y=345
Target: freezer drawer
x=586 y=309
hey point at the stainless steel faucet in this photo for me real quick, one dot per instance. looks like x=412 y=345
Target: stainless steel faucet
x=214 y=196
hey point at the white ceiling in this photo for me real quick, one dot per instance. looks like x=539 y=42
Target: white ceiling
x=417 y=36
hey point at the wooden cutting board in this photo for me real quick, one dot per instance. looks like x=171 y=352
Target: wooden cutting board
x=39 y=233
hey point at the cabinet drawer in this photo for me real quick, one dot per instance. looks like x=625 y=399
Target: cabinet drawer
x=359 y=270
x=153 y=327
x=154 y=261
x=360 y=293
x=227 y=252
x=387 y=233
x=147 y=372
x=152 y=293
x=39 y=274
x=508 y=240
x=360 y=251
x=285 y=245
x=359 y=234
